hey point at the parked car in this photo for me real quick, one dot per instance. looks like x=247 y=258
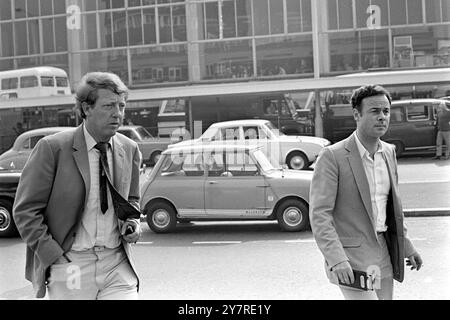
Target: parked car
x=16 y=157
x=223 y=182
x=298 y=152
x=150 y=147
x=9 y=179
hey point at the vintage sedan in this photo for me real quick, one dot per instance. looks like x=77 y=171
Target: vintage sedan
x=223 y=182
x=298 y=152
x=150 y=147
x=16 y=157
x=9 y=180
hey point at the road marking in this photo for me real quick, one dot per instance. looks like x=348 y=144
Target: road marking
x=418 y=239
x=423 y=181
x=299 y=240
x=215 y=242
x=144 y=242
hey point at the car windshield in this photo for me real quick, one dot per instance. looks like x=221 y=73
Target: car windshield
x=263 y=161
x=143 y=133
x=210 y=133
x=273 y=129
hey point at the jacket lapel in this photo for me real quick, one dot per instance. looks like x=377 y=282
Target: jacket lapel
x=80 y=156
x=118 y=163
x=362 y=183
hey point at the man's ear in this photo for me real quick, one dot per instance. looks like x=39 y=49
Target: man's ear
x=356 y=114
x=85 y=107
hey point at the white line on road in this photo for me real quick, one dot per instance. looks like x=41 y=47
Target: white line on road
x=299 y=240
x=144 y=242
x=418 y=239
x=215 y=242
x=423 y=181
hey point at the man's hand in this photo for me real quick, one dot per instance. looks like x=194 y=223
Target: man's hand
x=135 y=228
x=344 y=272
x=415 y=261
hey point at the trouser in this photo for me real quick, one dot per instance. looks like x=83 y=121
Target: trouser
x=440 y=138
x=386 y=290
x=98 y=273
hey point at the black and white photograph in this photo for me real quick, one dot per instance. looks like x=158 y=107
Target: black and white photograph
x=225 y=155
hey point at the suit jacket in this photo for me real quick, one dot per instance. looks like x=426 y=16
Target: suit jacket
x=341 y=212
x=51 y=196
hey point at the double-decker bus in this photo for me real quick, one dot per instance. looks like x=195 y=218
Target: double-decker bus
x=34 y=82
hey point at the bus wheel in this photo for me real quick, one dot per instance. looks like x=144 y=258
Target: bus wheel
x=297 y=161
x=155 y=157
x=7 y=225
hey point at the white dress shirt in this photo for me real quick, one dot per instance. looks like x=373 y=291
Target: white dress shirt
x=378 y=177
x=96 y=228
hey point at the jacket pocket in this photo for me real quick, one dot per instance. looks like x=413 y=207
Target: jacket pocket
x=351 y=242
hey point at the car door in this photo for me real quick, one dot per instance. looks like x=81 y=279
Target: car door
x=181 y=180
x=234 y=187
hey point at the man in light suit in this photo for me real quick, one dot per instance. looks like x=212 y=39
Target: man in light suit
x=355 y=210
x=77 y=247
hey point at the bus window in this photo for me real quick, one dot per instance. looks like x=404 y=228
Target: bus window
x=28 y=82
x=61 y=82
x=47 y=81
x=9 y=83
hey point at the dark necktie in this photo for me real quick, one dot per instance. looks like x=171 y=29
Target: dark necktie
x=104 y=170
x=122 y=207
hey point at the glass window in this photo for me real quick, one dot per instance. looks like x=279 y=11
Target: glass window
x=89 y=20
x=33 y=8
x=190 y=164
x=332 y=14
x=365 y=18
x=345 y=14
x=90 y=5
x=251 y=132
x=61 y=35
x=162 y=64
x=433 y=10
x=7 y=37
x=33 y=37
x=398 y=12
x=229 y=133
x=284 y=55
x=19 y=9
x=134 y=3
x=59 y=6
x=104 y=4
x=47 y=81
x=20 y=38
x=62 y=82
x=119 y=29
x=118 y=3
x=46 y=7
x=397 y=115
x=215 y=164
x=227 y=59
x=179 y=23
x=105 y=29
x=135 y=27
x=211 y=15
x=414 y=11
x=6 y=64
x=294 y=16
x=5 y=10
x=244 y=17
x=34 y=140
x=417 y=113
x=240 y=164
x=165 y=24
x=445 y=10
x=149 y=26
x=276 y=17
x=28 y=82
x=47 y=34
x=229 y=19
x=306 y=15
x=9 y=83
x=56 y=60
x=261 y=15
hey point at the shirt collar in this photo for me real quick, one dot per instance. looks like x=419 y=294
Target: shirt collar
x=362 y=150
x=90 y=141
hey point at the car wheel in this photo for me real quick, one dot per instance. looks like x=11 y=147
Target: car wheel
x=7 y=225
x=161 y=217
x=399 y=148
x=155 y=157
x=292 y=215
x=297 y=161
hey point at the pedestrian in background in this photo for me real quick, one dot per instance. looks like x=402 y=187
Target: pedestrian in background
x=77 y=203
x=443 y=131
x=355 y=210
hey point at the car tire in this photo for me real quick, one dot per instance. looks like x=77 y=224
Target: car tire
x=7 y=225
x=293 y=215
x=161 y=217
x=155 y=157
x=297 y=161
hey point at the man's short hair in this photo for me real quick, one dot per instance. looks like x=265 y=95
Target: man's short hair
x=87 y=89
x=368 y=91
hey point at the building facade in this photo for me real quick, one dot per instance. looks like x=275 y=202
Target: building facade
x=168 y=43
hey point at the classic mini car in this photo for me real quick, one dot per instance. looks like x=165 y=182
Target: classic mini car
x=16 y=157
x=9 y=179
x=223 y=182
x=298 y=152
x=150 y=147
